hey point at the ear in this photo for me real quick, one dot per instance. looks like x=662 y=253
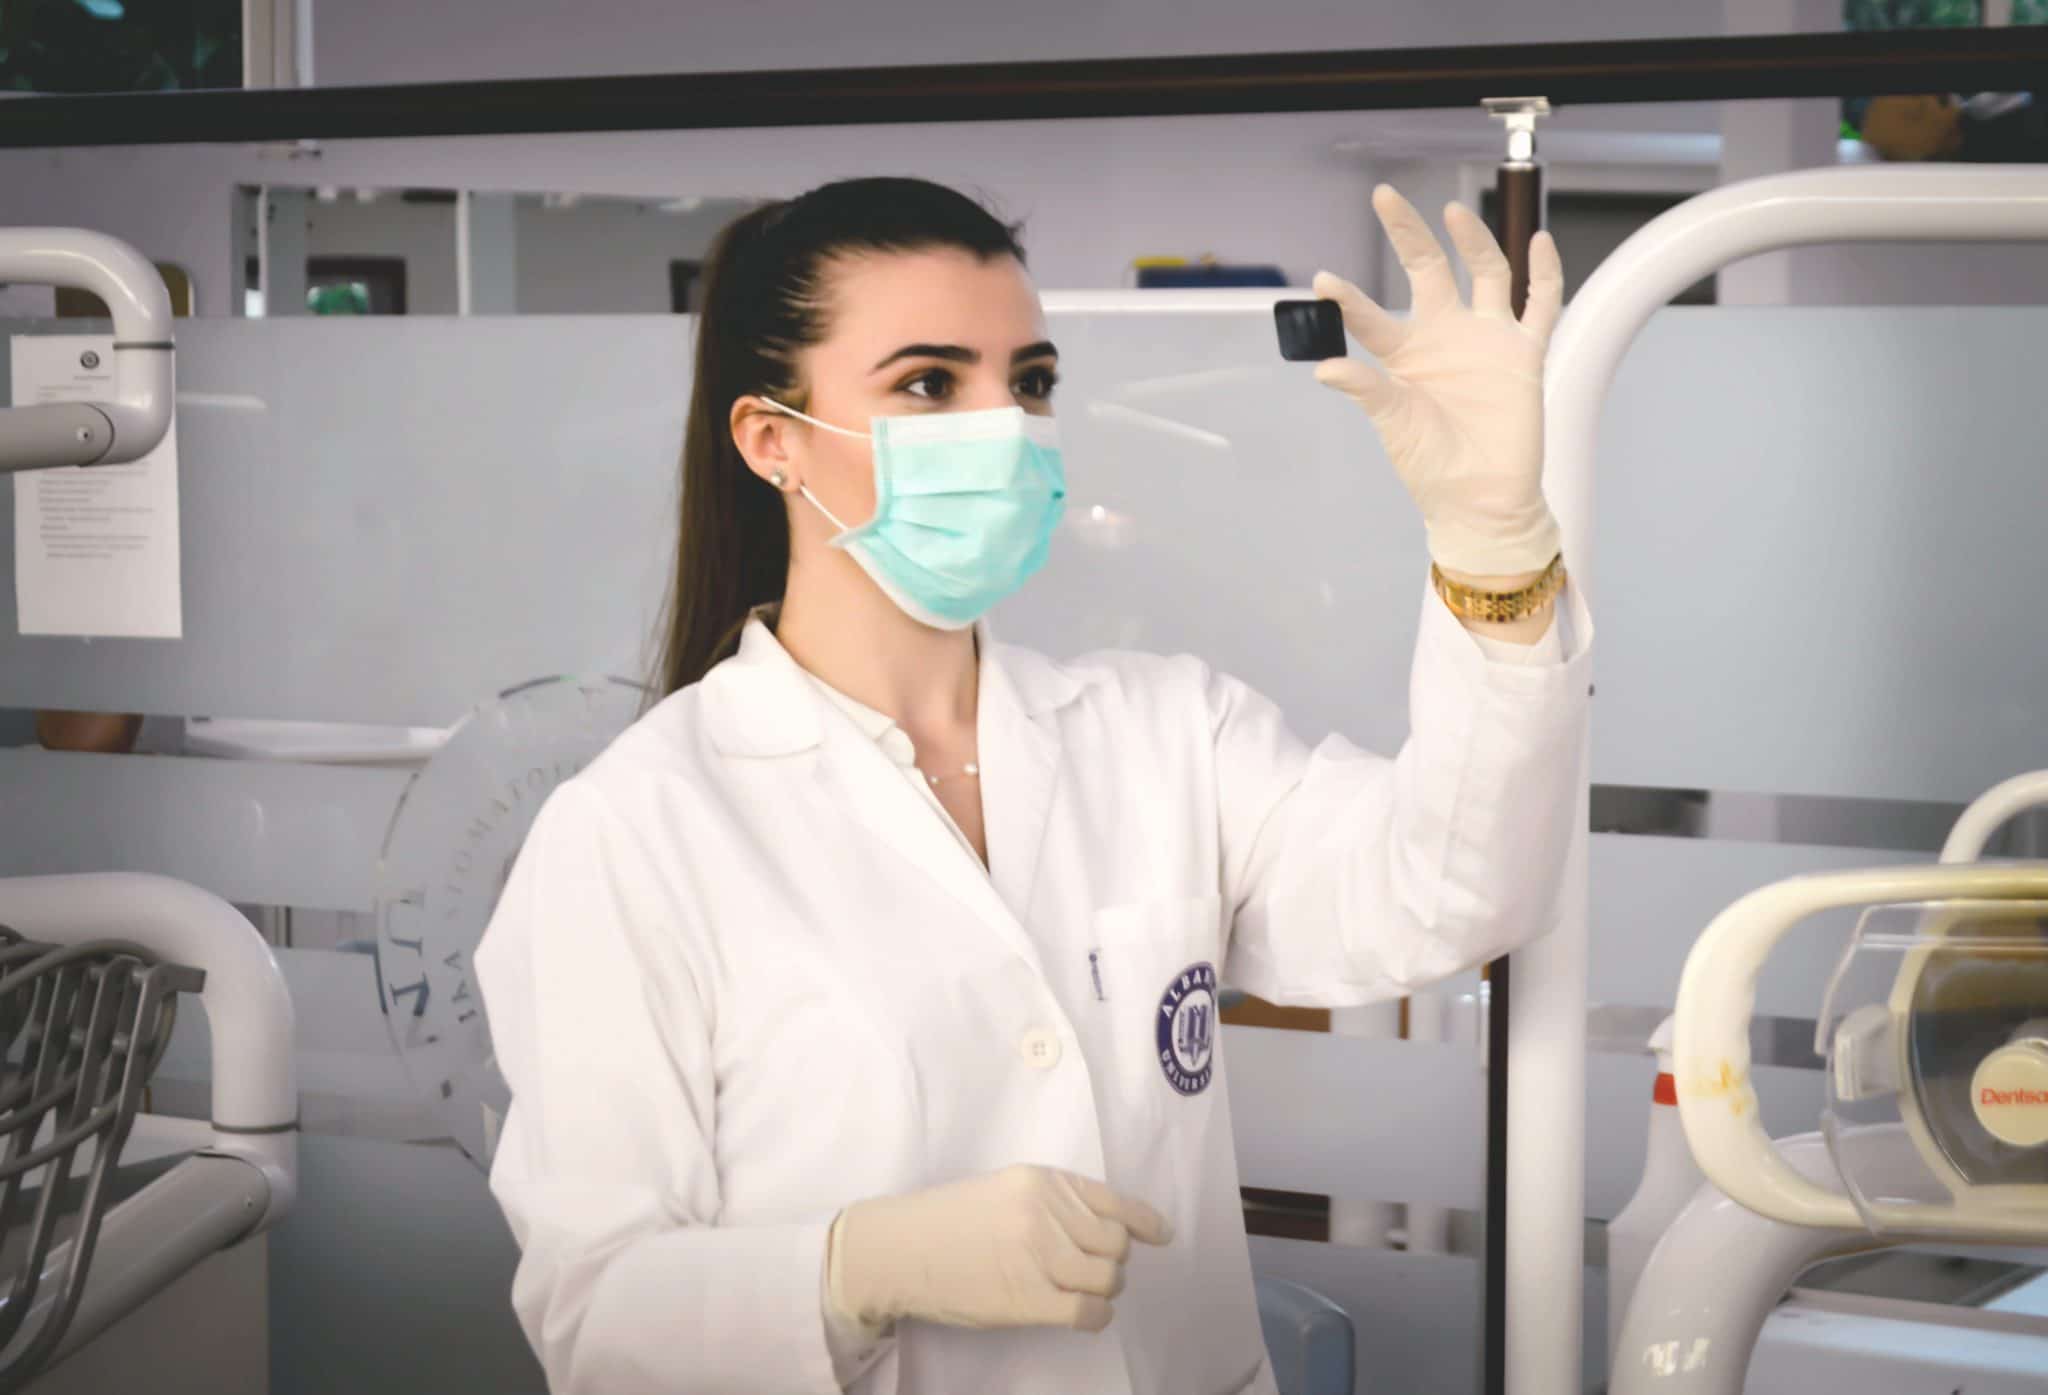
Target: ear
x=761 y=433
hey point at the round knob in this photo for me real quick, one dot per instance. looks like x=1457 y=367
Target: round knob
x=2010 y=1092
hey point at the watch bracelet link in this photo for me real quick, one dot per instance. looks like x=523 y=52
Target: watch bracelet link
x=1471 y=603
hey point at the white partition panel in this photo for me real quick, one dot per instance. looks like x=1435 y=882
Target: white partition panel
x=389 y=520
x=1223 y=502
x=1617 y=1120
x=1416 y=1316
x=386 y=521
x=1653 y=896
x=1358 y=1118
x=268 y=833
x=1820 y=552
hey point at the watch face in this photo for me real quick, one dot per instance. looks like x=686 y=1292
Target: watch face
x=446 y=857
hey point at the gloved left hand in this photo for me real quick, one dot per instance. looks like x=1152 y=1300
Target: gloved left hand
x=1457 y=395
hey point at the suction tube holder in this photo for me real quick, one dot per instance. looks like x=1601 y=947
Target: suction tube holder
x=117 y=432
x=90 y=968
x=254 y=1114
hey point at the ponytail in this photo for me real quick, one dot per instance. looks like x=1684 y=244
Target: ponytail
x=732 y=550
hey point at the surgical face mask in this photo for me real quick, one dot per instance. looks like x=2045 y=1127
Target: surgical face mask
x=965 y=508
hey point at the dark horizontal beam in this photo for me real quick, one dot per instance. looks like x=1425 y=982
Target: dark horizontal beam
x=1569 y=74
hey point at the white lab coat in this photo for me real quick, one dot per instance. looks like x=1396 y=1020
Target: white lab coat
x=743 y=975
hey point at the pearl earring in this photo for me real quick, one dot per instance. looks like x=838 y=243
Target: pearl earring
x=779 y=480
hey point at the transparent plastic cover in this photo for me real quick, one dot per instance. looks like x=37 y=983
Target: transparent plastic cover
x=446 y=857
x=1935 y=1034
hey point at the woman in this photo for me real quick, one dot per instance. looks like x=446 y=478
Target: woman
x=858 y=1002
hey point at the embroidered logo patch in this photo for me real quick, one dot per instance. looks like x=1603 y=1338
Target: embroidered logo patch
x=1186 y=1028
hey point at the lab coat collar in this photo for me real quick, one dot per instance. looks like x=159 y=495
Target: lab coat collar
x=760 y=702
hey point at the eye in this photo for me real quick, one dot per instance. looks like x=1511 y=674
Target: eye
x=937 y=381
x=1038 y=383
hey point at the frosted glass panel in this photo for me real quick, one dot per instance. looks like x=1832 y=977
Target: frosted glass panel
x=1416 y=1316
x=386 y=521
x=264 y=833
x=1617 y=1120
x=1223 y=502
x=1821 y=560
x=389 y=520
x=1383 y=1120
x=1652 y=897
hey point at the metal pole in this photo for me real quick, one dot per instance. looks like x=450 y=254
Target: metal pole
x=1518 y=214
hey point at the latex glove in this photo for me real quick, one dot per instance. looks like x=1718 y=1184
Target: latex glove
x=1457 y=395
x=1024 y=1247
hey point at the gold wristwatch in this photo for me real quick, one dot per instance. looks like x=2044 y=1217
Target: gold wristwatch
x=1470 y=603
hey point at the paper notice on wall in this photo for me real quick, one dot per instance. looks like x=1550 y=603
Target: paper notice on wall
x=95 y=548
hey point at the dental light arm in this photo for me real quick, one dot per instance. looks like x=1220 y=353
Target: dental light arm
x=133 y=423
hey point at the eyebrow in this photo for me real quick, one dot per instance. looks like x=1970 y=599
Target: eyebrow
x=957 y=353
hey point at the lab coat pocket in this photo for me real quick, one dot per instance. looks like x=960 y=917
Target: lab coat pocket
x=1159 y=1069
x=1154 y=966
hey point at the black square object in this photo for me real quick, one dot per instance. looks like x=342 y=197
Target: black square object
x=1309 y=329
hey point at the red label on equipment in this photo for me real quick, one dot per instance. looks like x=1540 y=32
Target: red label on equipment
x=1666 y=1091
x=1990 y=1096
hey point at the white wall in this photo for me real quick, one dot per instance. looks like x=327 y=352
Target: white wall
x=593 y=258
x=421 y=233
x=607 y=258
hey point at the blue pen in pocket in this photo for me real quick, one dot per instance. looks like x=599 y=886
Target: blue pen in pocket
x=1095 y=972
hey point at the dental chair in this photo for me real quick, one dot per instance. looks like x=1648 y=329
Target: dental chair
x=1935 y=1132
x=104 y=1206
x=106 y=1210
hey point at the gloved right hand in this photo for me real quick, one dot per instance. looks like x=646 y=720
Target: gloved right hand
x=1023 y=1247
x=1457 y=392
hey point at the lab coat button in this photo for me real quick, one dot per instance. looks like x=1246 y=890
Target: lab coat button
x=1041 y=1048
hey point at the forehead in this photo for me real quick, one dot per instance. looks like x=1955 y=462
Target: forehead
x=881 y=301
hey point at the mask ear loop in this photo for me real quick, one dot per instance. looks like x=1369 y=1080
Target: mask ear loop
x=805 y=489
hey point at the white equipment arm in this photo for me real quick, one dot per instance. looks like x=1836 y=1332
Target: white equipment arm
x=130 y=425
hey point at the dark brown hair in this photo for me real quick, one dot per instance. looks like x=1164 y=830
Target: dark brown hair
x=764 y=301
